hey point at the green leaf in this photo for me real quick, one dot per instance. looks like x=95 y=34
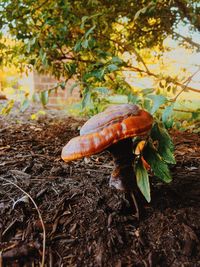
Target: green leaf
x=144 y=10
x=30 y=43
x=98 y=74
x=117 y=60
x=159 y=167
x=165 y=144
x=169 y=123
x=147 y=104
x=7 y=107
x=142 y=178
x=70 y=67
x=44 y=97
x=118 y=99
x=147 y=91
x=132 y=98
x=89 y=31
x=101 y=90
x=84 y=19
x=92 y=43
x=43 y=57
x=62 y=85
x=102 y=53
x=35 y=97
x=87 y=100
x=25 y=104
x=195 y=115
x=77 y=46
x=85 y=43
x=139 y=12
x=112 y=67
x=167 y=113
x=28 y=47
x=158 y=100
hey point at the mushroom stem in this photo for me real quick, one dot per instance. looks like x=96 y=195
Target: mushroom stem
x=123 y=176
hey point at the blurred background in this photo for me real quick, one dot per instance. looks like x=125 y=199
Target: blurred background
x=82 y=56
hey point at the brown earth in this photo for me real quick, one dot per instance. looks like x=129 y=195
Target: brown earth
x=87 y=223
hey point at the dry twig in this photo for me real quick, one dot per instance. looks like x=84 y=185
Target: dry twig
x=39 y=214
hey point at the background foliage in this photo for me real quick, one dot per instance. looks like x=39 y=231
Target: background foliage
x=94 y=42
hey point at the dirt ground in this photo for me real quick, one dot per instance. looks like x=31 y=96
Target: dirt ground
x=85 y=220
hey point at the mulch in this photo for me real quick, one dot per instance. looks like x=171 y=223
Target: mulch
x=86 y=222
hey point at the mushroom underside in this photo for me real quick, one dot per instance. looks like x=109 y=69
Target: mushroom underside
x=123 y=176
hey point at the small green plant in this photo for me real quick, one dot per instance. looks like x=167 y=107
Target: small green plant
x=158 y=152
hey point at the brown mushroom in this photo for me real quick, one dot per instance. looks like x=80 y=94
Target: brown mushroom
x=113 y=130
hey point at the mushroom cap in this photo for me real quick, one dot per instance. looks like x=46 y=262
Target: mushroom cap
x=107 y=128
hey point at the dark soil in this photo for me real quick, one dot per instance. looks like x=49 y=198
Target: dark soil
x=87 y=223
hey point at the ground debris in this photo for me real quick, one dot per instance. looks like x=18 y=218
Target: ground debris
x=19 y=250
x=85 y=220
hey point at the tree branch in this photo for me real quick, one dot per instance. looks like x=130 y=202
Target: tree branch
x=188 y=40
x=182 y=110
x=128 y=48
x=157 y=76
x=136 y=69
x=65 y=57
x=187 y=81
x=188 y=12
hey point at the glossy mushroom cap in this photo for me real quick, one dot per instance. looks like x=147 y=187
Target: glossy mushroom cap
x=106 y=128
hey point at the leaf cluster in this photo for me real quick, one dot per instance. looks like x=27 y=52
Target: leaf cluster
x=158 y=152
x=55 y=34
x=86 y=40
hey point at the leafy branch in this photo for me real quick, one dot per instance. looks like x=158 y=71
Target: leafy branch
x=187 y=39
x=136 y=69
x=184 y=87
x=158 y=76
